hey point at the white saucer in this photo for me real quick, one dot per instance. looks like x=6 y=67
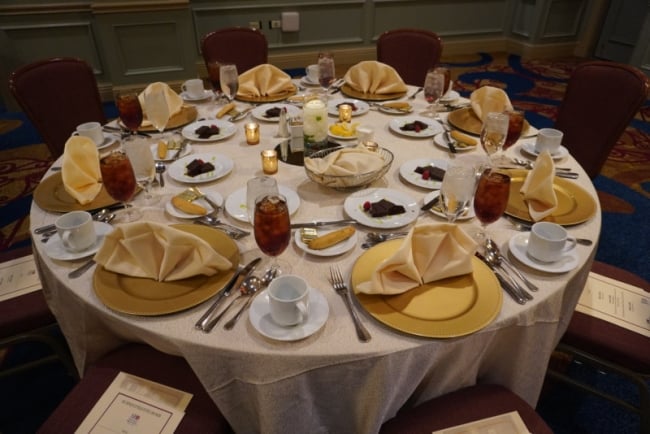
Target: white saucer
x=529 y=148
x=173 y=211
x=109 y=139
x=469 y=214
x=55 y=250
x=260 y=317
x=206 y=94
x=408 y=173
x=336 y=249
x=307 y=82
x=519 y=244
x=450 y=96
x=236 y=202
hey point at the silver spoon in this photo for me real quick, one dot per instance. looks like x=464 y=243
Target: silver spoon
x=160 y=169
x=249 y=287
x=495 y=260
x=492 y=248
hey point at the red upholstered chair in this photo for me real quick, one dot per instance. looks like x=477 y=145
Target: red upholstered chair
x=412 y=52
x=243 y=46
x=201 y=415
x=57 y=95
x=610 y=348
x=600 y=101
x=463 y=406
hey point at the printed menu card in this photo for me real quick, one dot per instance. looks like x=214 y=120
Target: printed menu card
x=507 y=423
x=18 y=277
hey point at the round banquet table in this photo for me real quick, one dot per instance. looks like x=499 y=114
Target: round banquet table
x=329 y=381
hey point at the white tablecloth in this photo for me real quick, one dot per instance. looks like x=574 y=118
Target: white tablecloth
x=329 y=382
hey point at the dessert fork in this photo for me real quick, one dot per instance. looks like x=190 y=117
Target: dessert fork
x=336 y=280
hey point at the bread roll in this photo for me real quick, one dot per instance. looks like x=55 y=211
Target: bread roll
x=225 y=109
x=188 y=207
x=332 y=238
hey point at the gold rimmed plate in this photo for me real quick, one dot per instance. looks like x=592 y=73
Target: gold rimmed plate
x=464 y=119
x=575 y=204
x=268 y=98
x=138 y=296
x=50 y=195
x=348 y=90
x=446 y=308
x=188 y=114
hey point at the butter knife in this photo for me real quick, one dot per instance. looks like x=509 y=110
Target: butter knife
x=427 y=206
x=180 y=150
x=202 y=323
x=318 y=224
x=241 y=115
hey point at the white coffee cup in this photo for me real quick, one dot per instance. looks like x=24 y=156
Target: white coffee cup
x=92 y=130
x=76 y=230
x=549 y=241
x=548 y=139
x=312 y=73
x=194 y=88
x=288 y=300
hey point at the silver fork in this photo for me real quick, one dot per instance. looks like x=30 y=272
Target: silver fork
x=336 y=279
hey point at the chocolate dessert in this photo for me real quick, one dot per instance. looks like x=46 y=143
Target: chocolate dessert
x=383 y=208
x=197 y=167
x=416 y=126
x=430 y=172
x=206 y=131
x=273 y=112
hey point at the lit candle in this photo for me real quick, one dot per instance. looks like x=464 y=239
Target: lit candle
x=345 y=112
x=269 y=161
x=252 y=131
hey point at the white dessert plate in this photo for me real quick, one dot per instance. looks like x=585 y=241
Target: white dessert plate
x=260 y=317
x=173 y=211
x=109 y=139
x=358 y=107
x=259 y=112
x=469 y=214
x=222 y=166
x=408 y=173
x=206 y=94
x=226 y=129
x=353 y=206
x=440 y=141
x=529 y=148
x=518 y=246
x=171 y=153
x=452 y=95
x=433 y=127
x=236 y=202
x=336 y=249
x=55 y=250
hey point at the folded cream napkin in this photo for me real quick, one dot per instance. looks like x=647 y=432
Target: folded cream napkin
x=429 y=252
x=374 y=78
x=347 y=161
x=80 y=169
x=174 y=100
x=488 y=99
x=538 y=189
x=156 y=251
x=264 y=80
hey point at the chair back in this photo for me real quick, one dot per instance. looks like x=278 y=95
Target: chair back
x=600 y=101
x=57 y=94
x=412 y=52
x=242 y=46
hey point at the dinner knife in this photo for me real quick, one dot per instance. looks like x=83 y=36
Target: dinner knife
x=180 y=150
x=512 y=292
x=202 y=323
x=241 y=115
x=318 y=224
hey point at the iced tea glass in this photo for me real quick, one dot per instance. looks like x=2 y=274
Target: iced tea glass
x=515 y=127
x=128 y=105
x=272 y=228
x=490 y=199
x=120 y=183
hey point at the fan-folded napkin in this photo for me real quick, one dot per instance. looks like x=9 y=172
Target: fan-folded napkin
x=264 y=80
x=347 y=161
x=538 y=189
x=174 y=100
x=80 y=169
x=488 y=99
x=428 y=253
x=374 y=78
x=156 y=251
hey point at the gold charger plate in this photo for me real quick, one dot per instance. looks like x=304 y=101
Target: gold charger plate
x=187 y=115
x=447 y=308
x=347 y=90
x=51 y=196
x=464 y=119
x=269 y=98
x=139 y=296
x=575 y=204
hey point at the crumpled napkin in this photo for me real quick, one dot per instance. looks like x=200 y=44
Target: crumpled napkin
x=80 y=169
x=488 y=99
x=174 y=100
x=264 y=80
x=538 y=189
x=347 y=161
x=156 y=251
x=428 y=253
x=375 y=78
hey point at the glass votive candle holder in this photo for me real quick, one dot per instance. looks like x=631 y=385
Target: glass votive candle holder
x=371 y=146
x=252 y=131
x=345 y=112
x=269 y=161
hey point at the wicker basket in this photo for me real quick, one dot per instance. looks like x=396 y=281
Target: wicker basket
x=348 y=182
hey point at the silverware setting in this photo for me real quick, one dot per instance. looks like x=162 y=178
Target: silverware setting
x=254 y=285
x=506 y=284
x=414 y=94
x=493 y=249
x=336 y=280
x=374 y=238
x=317 y=224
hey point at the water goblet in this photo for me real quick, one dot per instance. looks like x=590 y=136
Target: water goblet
x=490 y=199
x=515 y=127
x=447 y=73
x=128 y=105
x=326 y=70
x=229 y=80
x=457 y=190
x=434 y=88
x=144 y=167
x=120 y=183
x=493 y=134
x=272 y=228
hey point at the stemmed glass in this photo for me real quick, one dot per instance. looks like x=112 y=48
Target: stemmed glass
x=144 y=166
x=128 y=105
x=493 y=134
x=515 y=127
x=272 y=228
x=326 y=71
x=215 y=77
x=490 y=199
x=457 y=190
x=229 y=79
x=119 y=181
x=447 y=73
x=157 y=110
x=434 y=88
